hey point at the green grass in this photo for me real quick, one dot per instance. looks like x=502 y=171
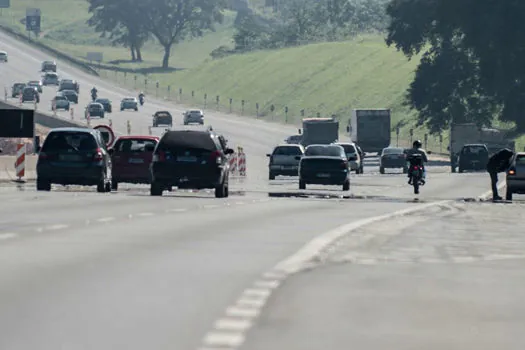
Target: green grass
x=64 y=28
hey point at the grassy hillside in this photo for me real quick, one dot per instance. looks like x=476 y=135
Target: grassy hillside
x=64 y=28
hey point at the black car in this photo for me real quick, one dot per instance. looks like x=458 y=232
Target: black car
x=68 y=84
x=190 y=159
x=393 y=158
x=106 y=103
x=30 y=94
x=324 y=165
x=71 y=95
x=49 y=66
x=94 y=109
x=17 y=89
x=473 y=157
x=162 y=118
x=74 y=156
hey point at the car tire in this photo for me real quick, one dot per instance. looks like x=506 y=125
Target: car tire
x=381 y=170
x=271 y=176
x=114 y=185
x=220 y=190
x=42 y=185
x=136 y=109
x=108 y=186
x=508 y=195
x=155 y=189
x=460 y=170
x=302 y=185
x=346 y=185
x=121 y=109
x=101 y=186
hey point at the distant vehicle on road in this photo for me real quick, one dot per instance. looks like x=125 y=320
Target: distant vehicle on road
x=131 y=157
x=354 y=158
x=69 y=84
x=60 y=101
x=190 y=159
x=50 y=79
x=94 y=109
x=37 y=84
x=3 y=56
x=195 y=116
x=129 y=103
x=324 y=165
x=162 y=118
x=393 y=158
x=74 y=156
x=49 y=66
x=71 y=95
x=17 y=89
x=473 y=157
x=516 y=176
x=294 y=139
x=106 y=103
x=283 y=160
x=30 y=94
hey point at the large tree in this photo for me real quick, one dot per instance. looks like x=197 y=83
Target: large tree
x=473 y=54
x=171 y=21
x=122 y=21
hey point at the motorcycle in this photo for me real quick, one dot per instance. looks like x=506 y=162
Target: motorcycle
x=141 y=100
x=93 y=96
x=415 y=171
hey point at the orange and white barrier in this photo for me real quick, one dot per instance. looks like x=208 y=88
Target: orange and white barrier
x=129 y=127
x=20 y=99
x=88 y=120
x=233 y=163
x=20 y=163
x=241 y=162
x=110 y=123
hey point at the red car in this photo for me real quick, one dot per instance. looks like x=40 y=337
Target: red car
x=131 y=157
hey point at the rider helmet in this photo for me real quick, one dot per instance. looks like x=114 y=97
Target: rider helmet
x=417 y=144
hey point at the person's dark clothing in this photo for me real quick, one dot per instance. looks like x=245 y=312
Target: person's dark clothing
x=498 y=163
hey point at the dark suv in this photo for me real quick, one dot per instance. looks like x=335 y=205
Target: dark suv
x=190 y=159
x=162 y=118
x=74 y=156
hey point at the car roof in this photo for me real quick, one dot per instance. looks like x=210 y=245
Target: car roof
x=101 y=98
x=190 y=138
x=3 y=52
x=345 y=143
x=162 y=112
x=48 y=61
x=34 y=81
x=69 y=90
x=194 y=111
x=73 y=129
x=129 y=98
x=95 y=104
x=134 y=137
x=474 y=145
x=290 y=145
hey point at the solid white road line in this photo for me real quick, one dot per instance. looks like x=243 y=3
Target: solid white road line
x=56 y=227
x=8 y=235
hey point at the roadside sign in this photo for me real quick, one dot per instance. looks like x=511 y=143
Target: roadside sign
x=33 y=16
x=5 y=4
x=17 y=123
x=107 y=134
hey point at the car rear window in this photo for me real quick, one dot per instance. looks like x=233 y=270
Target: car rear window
x=520 y=159
x=475 y=150
x=328 y=151
x=134 y=145
x=79 y=141
x=393 y=151
x=349 y=149
x=60 y=98
x=287 y=151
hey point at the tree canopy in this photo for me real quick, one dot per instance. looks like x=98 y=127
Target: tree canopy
x=472 y=66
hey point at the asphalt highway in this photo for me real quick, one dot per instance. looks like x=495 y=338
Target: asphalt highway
x=123 y=270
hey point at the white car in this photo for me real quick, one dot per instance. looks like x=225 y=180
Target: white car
x=195 y=116
x=3 y=56
x=129 y=103
x=354 y=159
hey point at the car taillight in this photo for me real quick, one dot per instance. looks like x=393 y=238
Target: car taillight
x=160 y=156
x=99 y=156
x=216 y=157
x=344 y=165
x=512 y=171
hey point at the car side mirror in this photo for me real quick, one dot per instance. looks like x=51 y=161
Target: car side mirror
x=229 y=151
x=429 y=152
x=298 y=157
x=149 y=148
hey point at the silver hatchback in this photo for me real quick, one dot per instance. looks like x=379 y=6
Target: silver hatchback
x=283 y=160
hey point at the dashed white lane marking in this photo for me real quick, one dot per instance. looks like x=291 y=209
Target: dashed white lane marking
x=8 y=235
x=108 y=219
x=248 y=307
x=230 y=324
x=145 y=214
x=176 y=210
x=56 y=227
x=210 y=206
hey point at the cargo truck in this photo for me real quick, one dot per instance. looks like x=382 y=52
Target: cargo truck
x=370 y=129
x=319 y=131
x=470 y=133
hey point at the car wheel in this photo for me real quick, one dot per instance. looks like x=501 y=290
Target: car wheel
x=271 y=176
x=508 y=195
x=155 y=189
x=460 y=170
x=302 y=185
x=42 y=185
x=114 y=185
x=136 y=109
x=108 y=186
x=220 y=191
x=346 y=185
x=381 y=170
x=101 y=186
x=121 y=109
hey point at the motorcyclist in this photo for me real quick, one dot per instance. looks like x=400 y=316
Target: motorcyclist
x=94 y=92
x=141 y=97
x=416 y=149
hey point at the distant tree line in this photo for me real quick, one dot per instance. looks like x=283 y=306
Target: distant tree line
x=473 y=59
x=132 y=22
